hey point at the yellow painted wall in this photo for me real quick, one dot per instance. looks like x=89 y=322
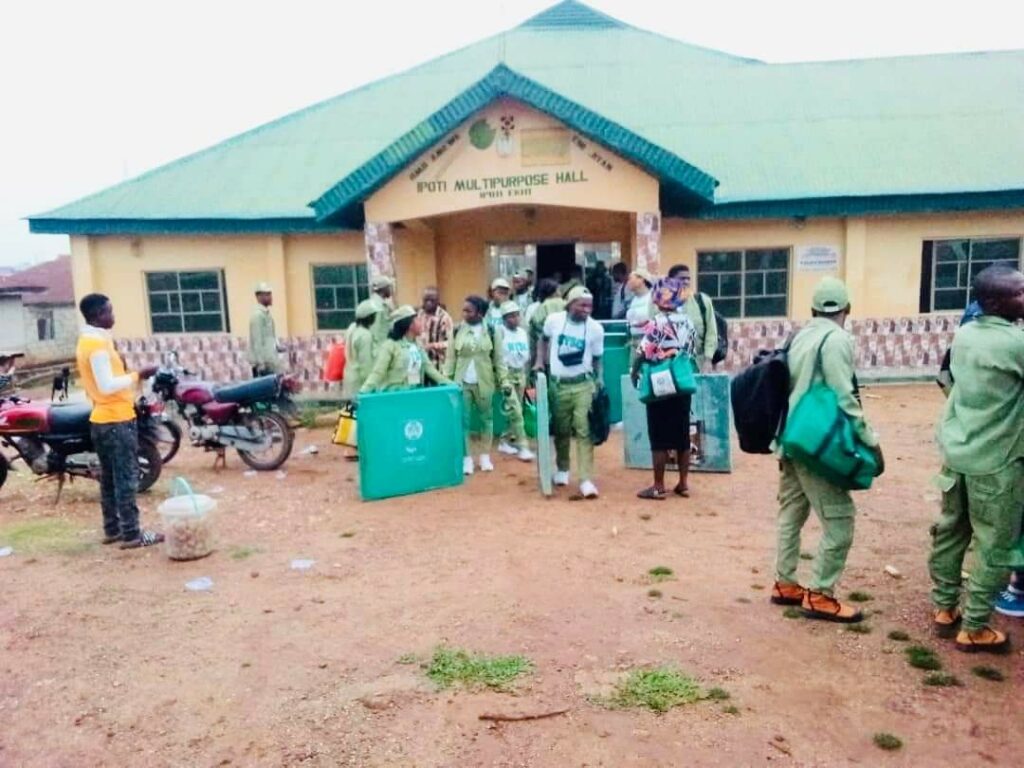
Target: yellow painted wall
x=893 y=265
x=462 y=266
x=415 y=262
x=455 y=175
x=301 y=254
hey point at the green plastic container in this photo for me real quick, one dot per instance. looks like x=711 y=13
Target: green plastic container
x=410 y=442
x=616 y=365
x=615 y=340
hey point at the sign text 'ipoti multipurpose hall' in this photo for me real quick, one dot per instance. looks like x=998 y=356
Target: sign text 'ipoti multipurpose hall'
x=571 y=139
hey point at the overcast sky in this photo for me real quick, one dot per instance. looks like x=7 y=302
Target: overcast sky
x=99 y=91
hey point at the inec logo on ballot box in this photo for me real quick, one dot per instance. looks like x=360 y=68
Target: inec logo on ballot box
x=413 y=430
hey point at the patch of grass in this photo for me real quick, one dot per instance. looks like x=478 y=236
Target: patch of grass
x=792 y=613
x=654 y=593
x=450 y=666
x=718 y=694
x=661 y=573
x=989 y=673
x=942 y=680
x=730 y=710
x=924 y=658
x=859 y=629
x=899 y=636
x=348 y=535
x=806 y=556
x=310 y=415
x=407 y=659
x=861 y=597
x=244 y=553
x=45 y=536
x=658 y=690
x=888 y=742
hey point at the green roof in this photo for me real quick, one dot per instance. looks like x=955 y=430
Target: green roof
x=914 y=133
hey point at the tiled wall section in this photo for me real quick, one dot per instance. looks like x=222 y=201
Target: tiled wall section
x=894 y=345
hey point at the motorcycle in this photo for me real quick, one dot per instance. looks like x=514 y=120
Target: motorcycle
x=249 y=416
x=55 y=441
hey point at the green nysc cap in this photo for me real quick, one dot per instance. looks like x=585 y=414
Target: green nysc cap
x=577 y=293
x=402 y=313
x=366 y=309
x=509 y=308
x=830 y=296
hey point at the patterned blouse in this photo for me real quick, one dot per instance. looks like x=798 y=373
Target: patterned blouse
x=668 y=335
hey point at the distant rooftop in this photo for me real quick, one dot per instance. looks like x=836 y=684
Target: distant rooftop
x=46 y=283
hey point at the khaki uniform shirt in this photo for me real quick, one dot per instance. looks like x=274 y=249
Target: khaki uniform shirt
x=400 y=365
x=263 y=340
x=382 y=321
x=483 y=352
x=706 y=327
x=836 y=370
x=982 y=428
x=359 y=349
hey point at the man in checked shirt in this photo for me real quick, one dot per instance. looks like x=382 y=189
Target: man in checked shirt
x=437 y=327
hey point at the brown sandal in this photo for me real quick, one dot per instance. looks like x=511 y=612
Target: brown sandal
x=681 y=491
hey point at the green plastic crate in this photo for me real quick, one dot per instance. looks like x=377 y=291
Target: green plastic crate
x=410 y=442
x=616 y=365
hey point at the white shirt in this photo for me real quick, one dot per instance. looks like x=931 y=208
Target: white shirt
x=471 y=377
x=639 y=314
x=621 y=299
x=567 y=338
x=531 y=311
x=102 y=371
x=515 y=348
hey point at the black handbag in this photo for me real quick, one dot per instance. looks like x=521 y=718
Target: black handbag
x=599 y=417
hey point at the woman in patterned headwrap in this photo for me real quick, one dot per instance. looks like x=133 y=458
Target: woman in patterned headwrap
x=668 y=334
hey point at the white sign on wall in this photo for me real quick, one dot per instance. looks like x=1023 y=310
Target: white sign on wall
x=817 y=258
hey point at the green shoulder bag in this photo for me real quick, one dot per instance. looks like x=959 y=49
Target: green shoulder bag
x=669 y=378
x=820 y=435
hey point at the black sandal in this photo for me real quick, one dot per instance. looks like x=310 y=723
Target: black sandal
x=145 y=539
x=652 y=494
x=681 y=492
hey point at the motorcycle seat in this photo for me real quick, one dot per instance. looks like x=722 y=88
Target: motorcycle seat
x=257 y=390
x=70 y=419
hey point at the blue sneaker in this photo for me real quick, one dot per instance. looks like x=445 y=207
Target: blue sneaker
x=1010 y=604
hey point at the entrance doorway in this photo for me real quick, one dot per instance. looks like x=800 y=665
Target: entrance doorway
x=556 y=260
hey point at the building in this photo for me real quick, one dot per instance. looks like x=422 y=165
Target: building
x=37 y=312
x=574 y=138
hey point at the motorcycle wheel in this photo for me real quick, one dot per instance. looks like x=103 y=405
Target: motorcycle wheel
x=169 y=447
x=3 y=471
x=281 y=439
x=150 y=465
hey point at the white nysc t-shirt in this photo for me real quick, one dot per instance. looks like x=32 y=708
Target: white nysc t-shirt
x=572 y=346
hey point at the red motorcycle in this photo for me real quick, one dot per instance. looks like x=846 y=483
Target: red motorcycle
x=249 y=416
x=55 y=441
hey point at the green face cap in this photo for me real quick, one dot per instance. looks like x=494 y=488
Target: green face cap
x=577 y=293
x=831 y=296
x=365 y=309
x=401 y=313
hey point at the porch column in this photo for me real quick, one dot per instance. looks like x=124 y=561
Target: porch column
x=380 y=249
x=647 y=245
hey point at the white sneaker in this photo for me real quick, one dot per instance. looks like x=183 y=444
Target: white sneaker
x=525 y=454
x=561 y=478
x=588 y=490
x=485 y=463
x=507 y=448
x=467 y=466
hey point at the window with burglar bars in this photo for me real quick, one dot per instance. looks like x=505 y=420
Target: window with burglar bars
x=187 y=302
x=948 y=268
x=338 y=289
x=746 y=283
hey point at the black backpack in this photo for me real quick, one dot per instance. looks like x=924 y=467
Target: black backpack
x=599 y=417
x=760 y=400
x=723 y=330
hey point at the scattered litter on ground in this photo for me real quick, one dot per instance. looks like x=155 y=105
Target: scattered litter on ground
x=6 y=551
x=893 y=571
x=282 y=475
x=250 y=473
x=216 y=490
x=202 y=584
x=303 y=565
x=311 y=451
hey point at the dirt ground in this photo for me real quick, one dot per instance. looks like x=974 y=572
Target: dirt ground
x=108 y=661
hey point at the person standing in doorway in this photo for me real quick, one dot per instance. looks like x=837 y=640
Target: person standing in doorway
x=701 y=311
x=981 y=439
x=263 y=345
x=514 y=344
x=570 y=349
x=574 y=280
x=621 y=295
x=641 y=310
x=436 y=327
x=821 y=351
x=382 y=294
x=548 y=302
x=501 y=291
x=475 y=364
x=670 y=334
x=599 y=283
x=111 y=390
x=522 y=294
